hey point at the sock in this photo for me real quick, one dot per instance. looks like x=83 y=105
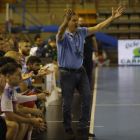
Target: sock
x=29 y=135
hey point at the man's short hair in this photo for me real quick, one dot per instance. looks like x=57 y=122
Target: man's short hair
x=65 y=15
x=2 y=53
x=33 y=59
x=24 y=41
x=36 y=37
x=5 y=60
x=10 y=68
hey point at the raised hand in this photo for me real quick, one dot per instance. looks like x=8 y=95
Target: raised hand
x=43 y=72
x=117 y=13
x=69 y=14
x=26 y=76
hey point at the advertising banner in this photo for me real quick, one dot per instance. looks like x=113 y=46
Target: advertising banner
x=129 y=52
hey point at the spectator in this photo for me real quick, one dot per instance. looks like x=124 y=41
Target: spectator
x=24 y=50
x=7 y=46
x=101 y=60
x=19 y=36
x=50 y=50
x=12 y=45
x=35 y=50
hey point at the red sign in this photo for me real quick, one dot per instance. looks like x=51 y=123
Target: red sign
x=53 y=16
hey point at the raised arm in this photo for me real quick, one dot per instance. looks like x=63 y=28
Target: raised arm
x=106 y=23
x=63 y=27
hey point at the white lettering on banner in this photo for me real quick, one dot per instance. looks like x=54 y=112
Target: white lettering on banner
x=129 y=52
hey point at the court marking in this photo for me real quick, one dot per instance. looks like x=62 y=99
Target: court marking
x=91 y=128
x=117 y=105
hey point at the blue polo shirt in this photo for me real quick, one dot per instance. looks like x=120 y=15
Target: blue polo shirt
x=68 y=55
x=28 y=81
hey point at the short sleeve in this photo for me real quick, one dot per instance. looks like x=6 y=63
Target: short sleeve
x=60 y=42
x=33 y=51
x=14 y=97
x=6 y=102
x=84 y=31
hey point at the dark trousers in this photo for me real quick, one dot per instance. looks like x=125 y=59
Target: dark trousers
x=69 y=80
x=3 y=129
x=88 y=64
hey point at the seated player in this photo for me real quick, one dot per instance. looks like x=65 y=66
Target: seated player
x=9 y=106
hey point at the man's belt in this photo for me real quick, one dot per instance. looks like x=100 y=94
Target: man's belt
x=67 y=69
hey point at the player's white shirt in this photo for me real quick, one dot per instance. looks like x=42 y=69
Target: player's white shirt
x=8 y=99
x=33 y=51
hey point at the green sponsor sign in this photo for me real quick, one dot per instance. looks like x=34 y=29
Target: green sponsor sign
x=136 y=52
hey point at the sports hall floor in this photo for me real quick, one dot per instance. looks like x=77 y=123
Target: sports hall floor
x=117 y=111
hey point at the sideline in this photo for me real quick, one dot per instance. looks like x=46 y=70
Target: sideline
x=91 y=129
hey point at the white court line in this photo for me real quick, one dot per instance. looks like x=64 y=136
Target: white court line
x=71 y=121
x=117 y=105
x=91 y=129
x=96 y=126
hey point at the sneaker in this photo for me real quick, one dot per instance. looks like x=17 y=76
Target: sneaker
x=84 y=132
x=69 y=134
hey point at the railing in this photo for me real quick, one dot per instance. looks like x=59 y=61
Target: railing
x=47 y=4
x=42 y=4
x=63 y=4
x=108 y=4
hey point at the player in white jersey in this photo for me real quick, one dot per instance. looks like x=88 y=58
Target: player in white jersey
x=9 y=106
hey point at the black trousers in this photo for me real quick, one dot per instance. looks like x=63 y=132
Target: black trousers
x=88 y=64
x=3 y=129
x=69 y=80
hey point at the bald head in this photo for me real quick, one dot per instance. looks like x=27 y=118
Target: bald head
x=81 y=22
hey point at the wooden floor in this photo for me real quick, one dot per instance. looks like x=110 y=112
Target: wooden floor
x=117 y=109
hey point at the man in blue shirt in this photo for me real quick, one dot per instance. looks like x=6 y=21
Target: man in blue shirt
x=70 y=45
